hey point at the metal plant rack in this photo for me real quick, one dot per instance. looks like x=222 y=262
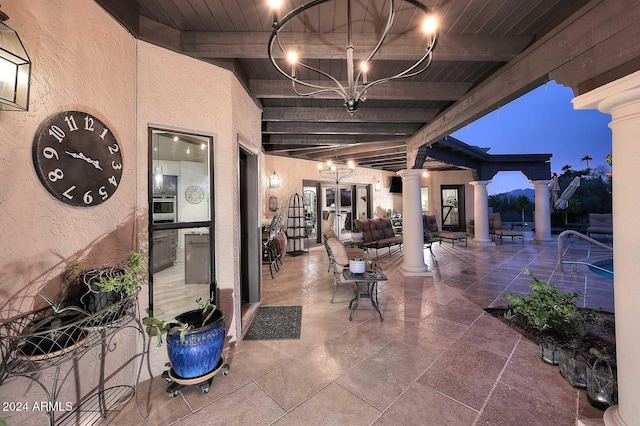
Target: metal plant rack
x=296 y=226
x=27 y=354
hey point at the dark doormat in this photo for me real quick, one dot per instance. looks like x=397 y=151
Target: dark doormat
x=275 y=322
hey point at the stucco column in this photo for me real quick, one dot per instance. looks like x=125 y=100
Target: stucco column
x=543 y=210
x=621 y=99
x=412 y=232
x=481 y=214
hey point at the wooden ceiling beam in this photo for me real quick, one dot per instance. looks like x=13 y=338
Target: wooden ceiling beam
x=203 y=44
x=405 y=90
x=382 y=129
x=306 y=140
x=372 y=149
x=340 y=115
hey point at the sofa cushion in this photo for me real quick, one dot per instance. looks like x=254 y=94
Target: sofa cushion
x=376 y=229
x=339 y=253
x=365 y=228
x=387 y=228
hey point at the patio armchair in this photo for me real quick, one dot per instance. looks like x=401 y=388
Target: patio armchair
x=495 y=229
x=430 y=223
x=339 y=256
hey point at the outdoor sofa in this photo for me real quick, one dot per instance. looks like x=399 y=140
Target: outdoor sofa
x=378 y=234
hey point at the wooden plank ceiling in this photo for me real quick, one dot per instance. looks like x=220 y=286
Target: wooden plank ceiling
x=477 y=38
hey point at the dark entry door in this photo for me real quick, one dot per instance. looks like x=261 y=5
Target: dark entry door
x=452 y=201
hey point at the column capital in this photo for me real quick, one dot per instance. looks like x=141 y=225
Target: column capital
x=611 y=95
x=410 y=173
x=540 y=182
x=480 y=182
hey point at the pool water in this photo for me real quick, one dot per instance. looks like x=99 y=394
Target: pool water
x=604 y=264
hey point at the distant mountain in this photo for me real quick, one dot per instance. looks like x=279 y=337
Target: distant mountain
x=517 y=192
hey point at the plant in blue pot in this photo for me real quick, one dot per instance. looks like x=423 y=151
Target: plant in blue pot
x=195 y=339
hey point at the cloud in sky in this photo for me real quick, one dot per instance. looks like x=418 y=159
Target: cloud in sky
x=542 y=121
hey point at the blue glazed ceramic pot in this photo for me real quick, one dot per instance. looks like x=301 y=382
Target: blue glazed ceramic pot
x=200 y=352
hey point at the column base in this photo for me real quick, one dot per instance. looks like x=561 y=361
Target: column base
x=412 y=271
x=612 y=417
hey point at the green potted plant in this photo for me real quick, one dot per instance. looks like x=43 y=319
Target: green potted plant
x=195 y=339
x=356 y=233
x=357 y=265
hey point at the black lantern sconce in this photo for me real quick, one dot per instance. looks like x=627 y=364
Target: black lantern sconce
x=15 y=70
x=273 y=203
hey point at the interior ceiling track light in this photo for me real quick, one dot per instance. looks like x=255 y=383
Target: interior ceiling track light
x=354 y=90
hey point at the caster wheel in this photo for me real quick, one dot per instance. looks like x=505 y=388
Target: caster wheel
x=225 y=373
x=165 y=375
x=173 y=394
x=204 y=389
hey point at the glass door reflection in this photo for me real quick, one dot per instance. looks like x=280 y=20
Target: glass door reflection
x=180 y=220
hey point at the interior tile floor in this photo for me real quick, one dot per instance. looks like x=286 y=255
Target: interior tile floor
x=437 y=358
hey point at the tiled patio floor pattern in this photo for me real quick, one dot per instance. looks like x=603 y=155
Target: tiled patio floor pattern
x=436 y=359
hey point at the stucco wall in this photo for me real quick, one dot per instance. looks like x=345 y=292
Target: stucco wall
x=175 y=92
x=82 y=60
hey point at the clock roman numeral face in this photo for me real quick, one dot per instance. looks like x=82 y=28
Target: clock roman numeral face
x=77 y=158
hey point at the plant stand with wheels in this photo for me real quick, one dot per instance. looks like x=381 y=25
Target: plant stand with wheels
x=204 y=381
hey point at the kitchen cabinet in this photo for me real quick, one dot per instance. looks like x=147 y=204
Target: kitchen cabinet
x=197 y=264
x=165 y=245
x=169 y=186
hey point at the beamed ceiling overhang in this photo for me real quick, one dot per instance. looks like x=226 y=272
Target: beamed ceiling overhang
x=488 y=54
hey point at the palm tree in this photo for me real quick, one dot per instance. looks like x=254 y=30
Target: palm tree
x=522 y=201
x=587 y=159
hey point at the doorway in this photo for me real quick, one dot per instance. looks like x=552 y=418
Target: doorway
x=452 y=208
x=250 y=245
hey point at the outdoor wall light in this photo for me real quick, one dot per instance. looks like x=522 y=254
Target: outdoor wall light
x=377 y=186
x=15 y=70
x=274 y=181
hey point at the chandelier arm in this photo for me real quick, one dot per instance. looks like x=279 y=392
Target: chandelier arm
x=315 y=92
x=385 y=33
x=404 y=74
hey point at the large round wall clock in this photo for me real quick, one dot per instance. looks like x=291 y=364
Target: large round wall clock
x=77 y=158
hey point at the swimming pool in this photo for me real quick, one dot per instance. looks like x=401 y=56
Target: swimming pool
x=606 y=264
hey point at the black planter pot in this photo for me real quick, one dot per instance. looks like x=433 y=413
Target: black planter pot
x=96 y=300
x=51 y=336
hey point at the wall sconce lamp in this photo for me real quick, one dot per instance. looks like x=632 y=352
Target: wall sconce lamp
x=15 y=70
x=274 y=181
x=377 y=186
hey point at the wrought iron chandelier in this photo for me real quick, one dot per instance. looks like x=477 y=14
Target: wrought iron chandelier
x=355 y=89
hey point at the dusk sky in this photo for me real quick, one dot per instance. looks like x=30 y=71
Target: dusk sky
x=541 y=122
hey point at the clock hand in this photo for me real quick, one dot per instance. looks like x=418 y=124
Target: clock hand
x=95 y=163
